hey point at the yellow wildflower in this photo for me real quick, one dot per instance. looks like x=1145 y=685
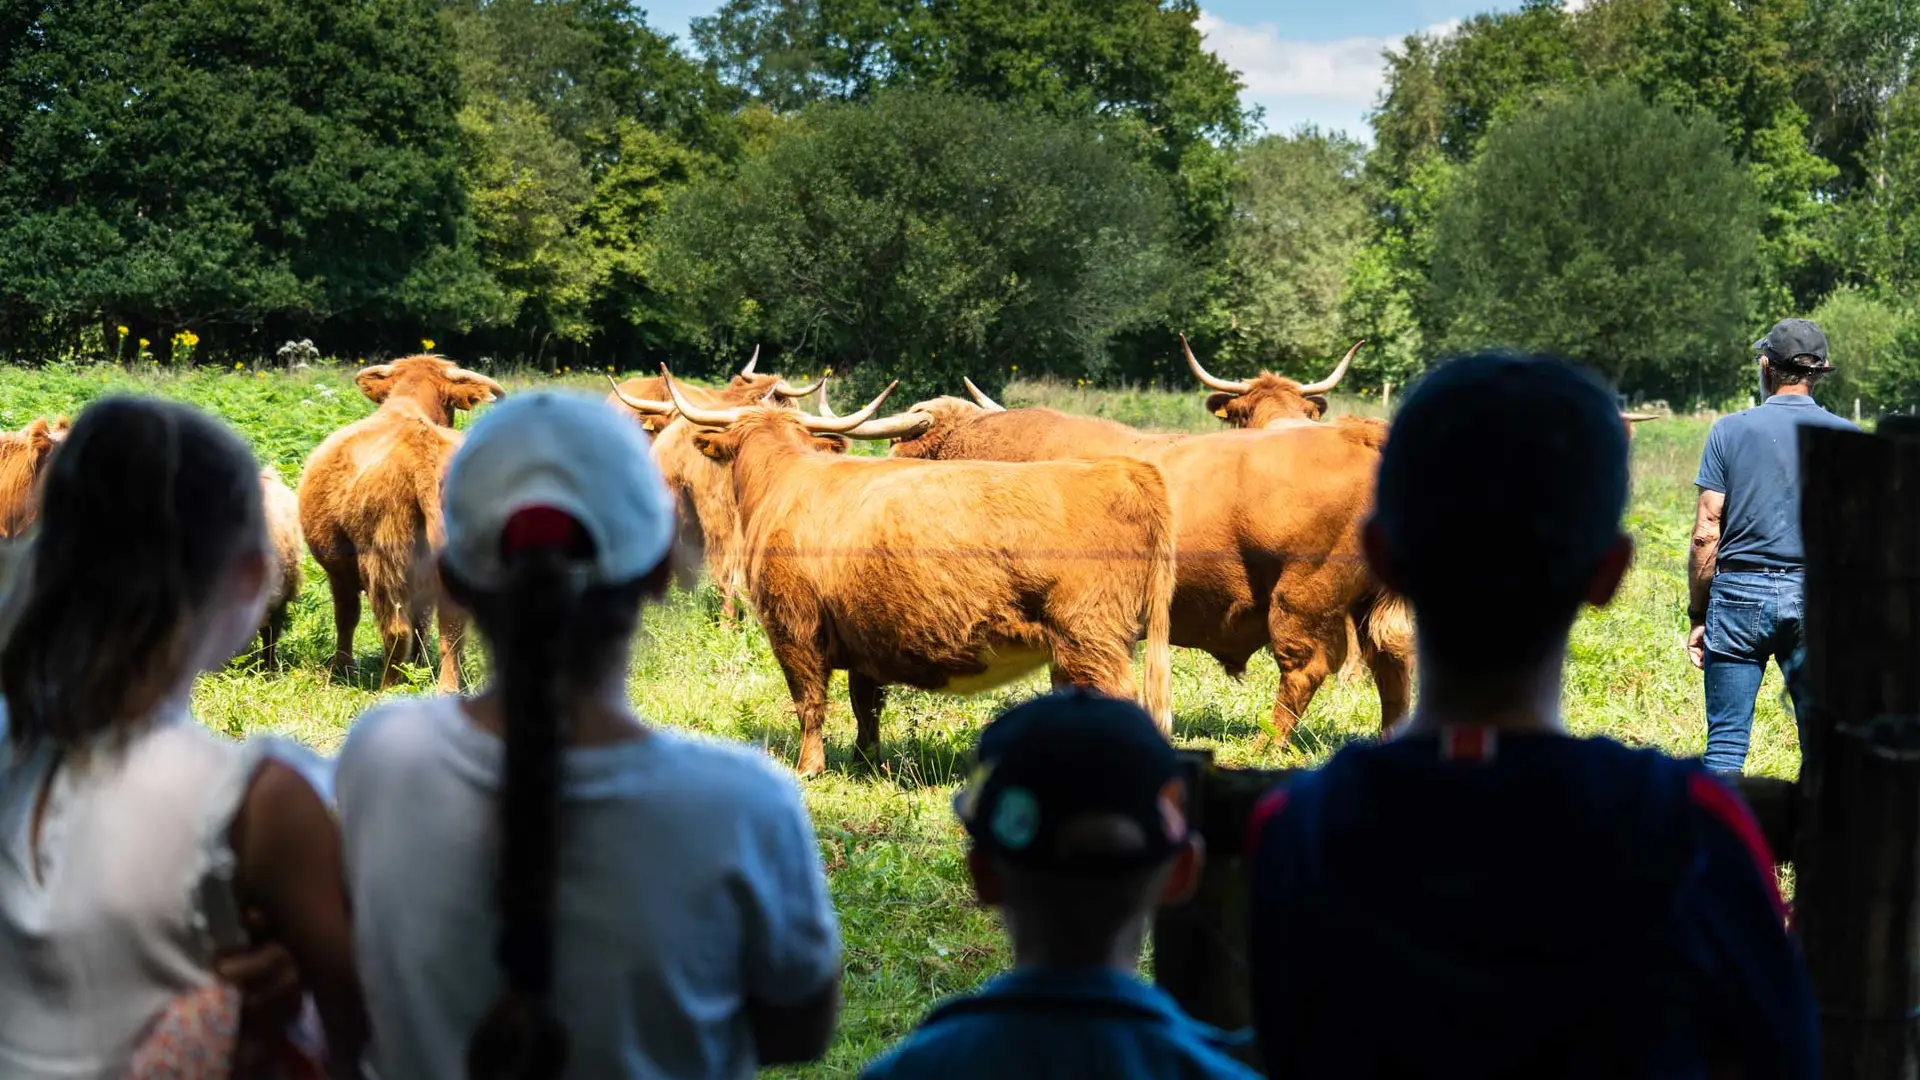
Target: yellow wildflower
x=259 y=374
x=237 y=365
x=1016 y=367
x=426 y=343
x=123 y=330
x=144 y=343
x=609 y=367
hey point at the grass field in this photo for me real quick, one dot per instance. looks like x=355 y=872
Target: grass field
x=891 y=848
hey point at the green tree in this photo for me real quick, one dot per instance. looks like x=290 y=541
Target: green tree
x=1875 y=349
x=1611 y=231
x=1299 y=219
x=227 y=168
x=925 y=236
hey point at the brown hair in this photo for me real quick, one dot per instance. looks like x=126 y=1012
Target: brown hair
x=142 y=510
x=550 y=639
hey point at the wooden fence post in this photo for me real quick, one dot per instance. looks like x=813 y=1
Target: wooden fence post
x=1857 y=878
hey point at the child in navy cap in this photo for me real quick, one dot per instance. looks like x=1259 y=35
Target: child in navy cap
x=1077 y=832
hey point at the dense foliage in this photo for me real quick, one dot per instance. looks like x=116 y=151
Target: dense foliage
x=1065 y=184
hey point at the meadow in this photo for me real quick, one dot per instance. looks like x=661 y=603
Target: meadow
x=892 y=850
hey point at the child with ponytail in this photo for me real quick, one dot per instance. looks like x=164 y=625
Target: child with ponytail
x=544 y=885
x=132 y=838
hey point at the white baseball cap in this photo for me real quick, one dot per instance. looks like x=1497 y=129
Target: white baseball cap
x=564 y=451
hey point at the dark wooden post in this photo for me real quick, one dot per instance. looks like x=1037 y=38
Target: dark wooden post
x=1858 y=865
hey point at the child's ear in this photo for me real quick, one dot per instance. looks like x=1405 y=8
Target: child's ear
x=718 y=445
x=1184 y=879
x=1373 y=541
x=1611 y=571
x=986 y=878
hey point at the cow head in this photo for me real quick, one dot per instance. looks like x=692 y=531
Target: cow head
x=435 y=384
x=24 y=455
x=1267 y=399
x=723 y=431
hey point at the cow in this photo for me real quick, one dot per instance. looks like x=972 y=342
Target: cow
x=706 y=513
x=1268 y=399
x=946 y=576
x=1267 y=528
x=23 y=458
x=282 y=510
x=370 y=508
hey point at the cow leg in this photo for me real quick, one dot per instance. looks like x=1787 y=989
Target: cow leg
x=271 y=630
x=804 y=663
x=345 y=587
x=452 y=623
x=1393 y=677
x=1307 y=648
x=868 y=698
x=1107 y=670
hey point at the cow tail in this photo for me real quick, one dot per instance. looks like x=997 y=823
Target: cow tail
x=1387 y=626
x=1157 y=693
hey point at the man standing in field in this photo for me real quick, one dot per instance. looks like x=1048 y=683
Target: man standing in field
x=1745 y=592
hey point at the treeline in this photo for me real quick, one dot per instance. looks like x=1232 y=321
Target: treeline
x=924 y=188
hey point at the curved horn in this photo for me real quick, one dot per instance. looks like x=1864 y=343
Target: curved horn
x=460 y=374
x=377 y=371
x=1340 y=372
x=981 y=399
x=788 y=390
x=840 y=425
x=646 y=406
x=1636 y=417
x=751 y=360
x=1207 y=379
x=825 y=408
x=906 y=425
x=715 y=418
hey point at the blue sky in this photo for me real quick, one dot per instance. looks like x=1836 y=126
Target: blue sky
x=1304 y=61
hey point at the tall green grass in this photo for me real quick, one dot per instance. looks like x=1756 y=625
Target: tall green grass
x=893 y=853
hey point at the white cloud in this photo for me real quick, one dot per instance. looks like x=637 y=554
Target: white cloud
x=1349 y=71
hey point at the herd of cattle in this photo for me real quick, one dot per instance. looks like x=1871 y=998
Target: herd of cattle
x=990 y=542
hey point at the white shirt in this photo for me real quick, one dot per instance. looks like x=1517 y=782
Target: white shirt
x=130 y=896
x=690 y=881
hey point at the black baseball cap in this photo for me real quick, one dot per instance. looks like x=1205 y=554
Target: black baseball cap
x=1792 y=342
x=1067 y=757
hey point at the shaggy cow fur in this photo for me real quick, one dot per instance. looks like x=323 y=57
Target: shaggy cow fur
x=23 y=457
x=1268 y=531
x=282 y=510
x=953 y=576
x=370 y=508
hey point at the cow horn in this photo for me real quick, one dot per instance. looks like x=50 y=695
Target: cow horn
x=640 y=405
x=1340 y=372
x=787 y=390
x=713 y=418
x=841 y=425
x=1636 y=417
x=376 y=371
x=460 y=374
x=1207 y=379
x=906 y=425
x=825 y=408
x=751 y=360
x=982 y=399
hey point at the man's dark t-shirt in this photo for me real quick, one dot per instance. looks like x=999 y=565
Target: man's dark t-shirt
x=1473 y=906
x=1753 y=458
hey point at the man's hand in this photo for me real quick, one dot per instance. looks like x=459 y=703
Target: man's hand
x=1697 y=644
x=268 y=980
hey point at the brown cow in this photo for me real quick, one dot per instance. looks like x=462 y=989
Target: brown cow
x=947 y=576
x=707 y=519
x=1268 y=526
x=23 y=457
x=370 y=508
x=282 y=510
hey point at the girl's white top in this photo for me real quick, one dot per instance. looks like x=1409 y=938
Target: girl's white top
x=690 y=881
x=126 y=897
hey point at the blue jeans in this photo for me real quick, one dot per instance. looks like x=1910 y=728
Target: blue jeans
x=1751 y=617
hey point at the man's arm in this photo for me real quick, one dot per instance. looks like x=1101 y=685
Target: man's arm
x=1701 y=559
